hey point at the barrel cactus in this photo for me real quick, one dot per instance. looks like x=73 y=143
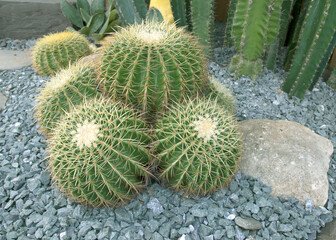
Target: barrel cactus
x=68 y=88
x=98 y=154
x=217 y=91
x=56 y=51
x=198 y=146
x=152 y=65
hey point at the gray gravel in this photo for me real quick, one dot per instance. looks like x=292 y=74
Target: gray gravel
x=32 y=208
x=15 y=44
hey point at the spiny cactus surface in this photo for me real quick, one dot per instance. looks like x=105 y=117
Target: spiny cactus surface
x=152 y=65
x=56 y=51
x=68 y=88
x=217 y=91
x=98 y=154
x=198 y=146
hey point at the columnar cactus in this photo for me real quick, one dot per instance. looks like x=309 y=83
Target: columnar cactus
x=68 y=88
x=98 y=155
x=152 y=65
x=255 y=25
x=198 y=146
x=56 y=51
x=317 y=42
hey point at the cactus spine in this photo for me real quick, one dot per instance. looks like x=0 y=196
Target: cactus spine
x=152 y=66
x=98 y=156
x=218 y=92
x=316 y=36
x=255 y=26
x=68 y=88
x=56 y=51
x=198 y=146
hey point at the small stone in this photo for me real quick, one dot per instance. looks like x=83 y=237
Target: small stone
x=210 y=237
x=39 y=233
x=153 y=225
x=204 y=230
x=45 y=178
x=198 y=212
x=155 y=206
x=123 y=215
x=248 y=223
x=156 y=236
x=219 y=234
x=285 y=228
x=230 y=232
x=33 y=184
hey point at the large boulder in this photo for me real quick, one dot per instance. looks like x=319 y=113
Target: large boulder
x=288 y=157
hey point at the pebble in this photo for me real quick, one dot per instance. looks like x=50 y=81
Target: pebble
x=248 y=223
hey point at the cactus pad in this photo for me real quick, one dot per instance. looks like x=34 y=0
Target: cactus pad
x=198 y=146
x=98 y=154
x=56 y=51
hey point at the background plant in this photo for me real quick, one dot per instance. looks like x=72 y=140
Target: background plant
x=253 y=27
x=314 y=43
x=90 y=17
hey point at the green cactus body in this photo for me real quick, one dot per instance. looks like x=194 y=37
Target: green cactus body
x=228 y=38
x=243 y=67
x=217 y=91
x=128 y=10
x=152 y=66
x=318 y=32
x=98 y=154
x=65 y=90
x=255 y=26
x=56 y=51
x=198 y=146
x=202 y=18
x=179 y=12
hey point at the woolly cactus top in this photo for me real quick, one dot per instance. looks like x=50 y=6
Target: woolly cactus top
x=206 y=127
x=150 y=33
x=60 y=37
x=86 y=134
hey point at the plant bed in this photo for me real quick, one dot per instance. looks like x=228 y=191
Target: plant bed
x=32 y=207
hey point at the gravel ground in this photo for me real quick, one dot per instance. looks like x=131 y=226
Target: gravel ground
x=32 y=208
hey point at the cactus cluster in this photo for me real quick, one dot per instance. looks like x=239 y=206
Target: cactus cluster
x=98 y=154
x=90 y=17
x=152 y=66
x=64 y=91
x=92 y=112
x=56 y=51
x=197 y=145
